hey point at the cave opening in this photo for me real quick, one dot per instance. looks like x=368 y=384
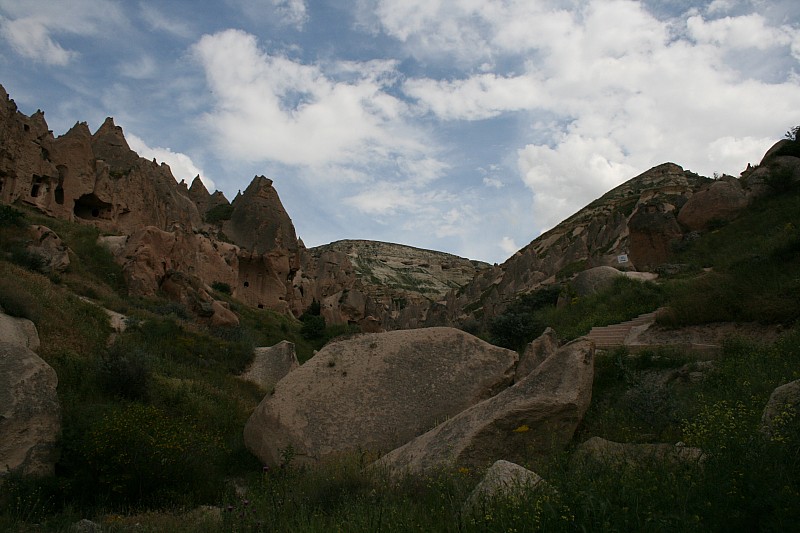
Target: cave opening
x=89 y=207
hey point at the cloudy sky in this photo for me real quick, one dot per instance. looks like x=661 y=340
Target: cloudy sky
x=467 y=126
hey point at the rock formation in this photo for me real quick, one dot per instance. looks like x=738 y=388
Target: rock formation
x=619 y=455
x=780 y=413
x=375 y=392
x=271 y=364
x=720 y=201
x=536 y=352
x=19 y=331
x=520 y=424
x=30 y=415
x=598 y=235
x=504 y=480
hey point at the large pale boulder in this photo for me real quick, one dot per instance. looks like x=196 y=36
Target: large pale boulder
x=375 y=392
x=594 y=280
x=271 y=364
x=19 y=331
x=521 y=424
x=30 y=415
x=781 y=409
x=721 y=201
x=537 y=351
x=503 y=480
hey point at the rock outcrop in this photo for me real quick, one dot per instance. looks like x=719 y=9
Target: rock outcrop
x=50 y=249
x=30 y=415
x=619 y=455
x=521 y=424
x=719 y=202
x=594 y=280
x=598 y=235
x=375 y=392
x=536 y=353
x=19 y=331
x=503 y=480
x=781 y=410
x=271 y=364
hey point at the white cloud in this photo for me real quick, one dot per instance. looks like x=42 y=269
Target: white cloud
x=31 y=39
x=508 y=245
x=292 y=12
x=182 y=166
x=478 y=97
x=31 y=27
x=566 y=178
x=143 y=68
x=283 y=12
x=383 y=199
x=747 y=31
x=159 y=21
x=627 y=90
x=271 y=108
x=493 y=182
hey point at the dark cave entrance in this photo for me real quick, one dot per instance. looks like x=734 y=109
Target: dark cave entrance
x=89 y=207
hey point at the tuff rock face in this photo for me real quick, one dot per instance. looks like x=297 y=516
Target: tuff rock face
x=375 y=392
x=597 y=235
x=30 y=415
x=522 y=423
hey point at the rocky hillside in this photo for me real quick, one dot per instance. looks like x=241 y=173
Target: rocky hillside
x=181 y=240
x=634 y=227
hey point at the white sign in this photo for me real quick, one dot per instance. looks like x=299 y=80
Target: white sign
x=622 y=258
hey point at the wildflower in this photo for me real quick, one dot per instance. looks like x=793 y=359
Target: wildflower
x=522 y=429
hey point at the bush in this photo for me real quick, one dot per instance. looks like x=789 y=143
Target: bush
x=124 y=372
x=219 y=213
x=519 y=323
x=222 y=287
x=11 y=217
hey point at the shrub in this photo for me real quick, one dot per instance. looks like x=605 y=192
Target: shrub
x=219 y=213
x=124 y=372
x=222 y=287
x=11 y=217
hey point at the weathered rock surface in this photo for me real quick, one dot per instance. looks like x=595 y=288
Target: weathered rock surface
x=376 y=392
x=594 y=280
x=503 y=480
x=721 y=201
x=520 y=424
x=782 y=408
x=536 y=352
x=597 y=235
x=653 y=230
x=30 y=415
x=18 y=331
x=49 y=248
x=271 y=364
x=149 y=253
x=620 y=454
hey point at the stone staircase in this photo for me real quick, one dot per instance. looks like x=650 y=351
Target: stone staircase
x=615 y=335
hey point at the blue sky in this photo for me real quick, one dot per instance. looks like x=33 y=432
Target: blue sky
x=466 y=126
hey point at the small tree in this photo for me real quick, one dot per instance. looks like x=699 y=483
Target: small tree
x=792 y=134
